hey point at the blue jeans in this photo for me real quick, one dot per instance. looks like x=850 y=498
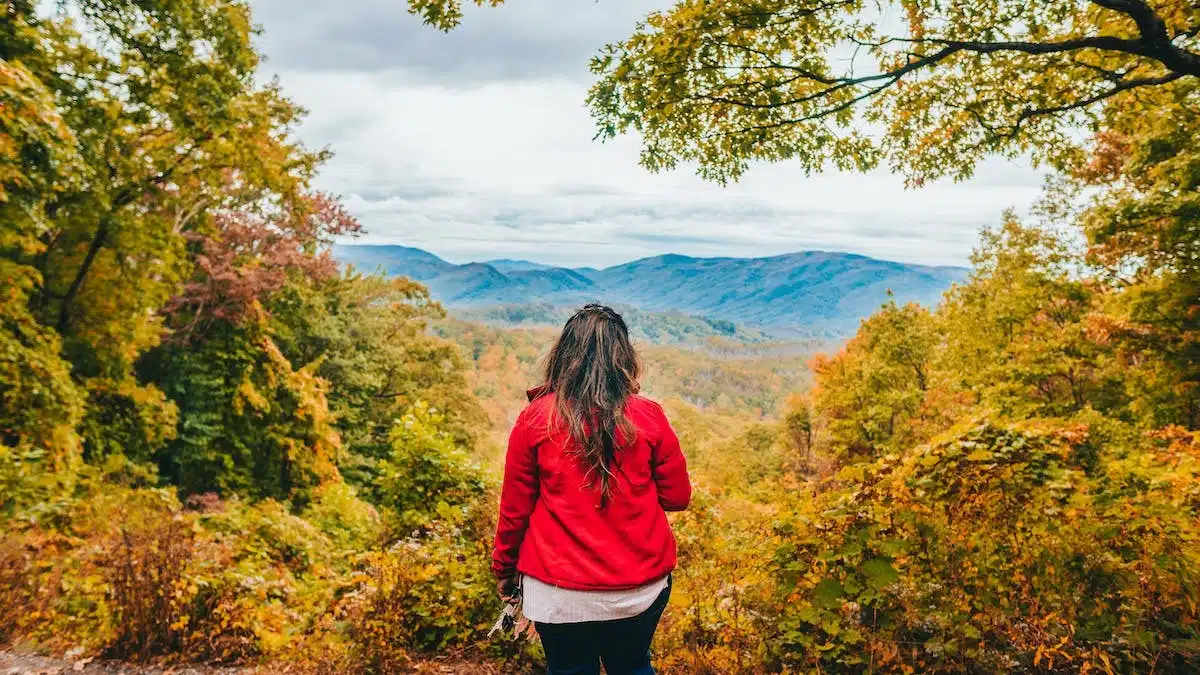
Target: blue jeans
x=623 y=645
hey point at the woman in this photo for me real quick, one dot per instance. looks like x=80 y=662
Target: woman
x=591 y=470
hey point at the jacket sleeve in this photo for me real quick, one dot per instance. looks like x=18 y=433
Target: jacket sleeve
x=670 y=470
x=518 y=495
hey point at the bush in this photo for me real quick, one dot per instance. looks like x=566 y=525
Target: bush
x=721 y=612
x=999 y=549
x=429 y=475
x=93 y=558
x=263 y=576
x=146 y=564
x=131 y=573
x=103 y=572
x=33 y=482
x=422 y=595
x=15 y=596
x=350 y=523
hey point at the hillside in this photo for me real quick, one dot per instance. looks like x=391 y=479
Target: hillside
x=818 y=291
x=671 y=328
x=740 y=381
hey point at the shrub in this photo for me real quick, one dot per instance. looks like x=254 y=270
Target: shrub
x=98 y=572
x=429 y=475
x=131 y=573
x=349 y=522
x=421 y=595
x=146 y=564
x=999 y=549
x=720 y=614
x=262 y=577
x=15 y=596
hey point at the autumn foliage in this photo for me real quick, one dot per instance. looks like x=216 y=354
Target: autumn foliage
x=217 y=446
x=1018 y=490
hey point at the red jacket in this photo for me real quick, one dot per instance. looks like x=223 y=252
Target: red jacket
x=552 y=525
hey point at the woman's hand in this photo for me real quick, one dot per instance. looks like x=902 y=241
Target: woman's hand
x=506 y=588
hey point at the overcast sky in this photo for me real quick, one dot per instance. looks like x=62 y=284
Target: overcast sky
x=477 y=145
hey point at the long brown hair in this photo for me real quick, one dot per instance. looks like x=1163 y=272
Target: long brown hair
x=592 y=371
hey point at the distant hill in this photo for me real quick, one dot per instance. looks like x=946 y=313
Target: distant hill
x=811 y=292
x=668 y=328
x=507 y=265
x=404 y=261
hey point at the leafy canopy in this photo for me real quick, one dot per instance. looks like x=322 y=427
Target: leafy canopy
x=927 y=86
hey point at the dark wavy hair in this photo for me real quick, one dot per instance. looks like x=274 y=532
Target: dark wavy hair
x=592 y=371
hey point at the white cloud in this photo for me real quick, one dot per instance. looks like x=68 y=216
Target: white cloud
x=478 y=168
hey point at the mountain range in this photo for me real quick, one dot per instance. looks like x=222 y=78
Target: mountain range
x=810 y=291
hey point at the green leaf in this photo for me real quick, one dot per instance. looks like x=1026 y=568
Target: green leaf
x=879 y=572
x=850 y=549
x=828 y=593
x=808 y=614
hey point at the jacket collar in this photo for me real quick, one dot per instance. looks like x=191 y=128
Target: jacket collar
x=537 y=392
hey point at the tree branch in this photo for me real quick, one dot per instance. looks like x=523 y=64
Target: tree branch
x=1012 y=130
x=949 y=48
x=64 y=310
x=1156 y=41
x=122 y=199
x=839 y=84
x=1125 y=85
x=1109 y=43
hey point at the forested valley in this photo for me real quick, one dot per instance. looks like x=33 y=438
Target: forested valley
x=218 y=447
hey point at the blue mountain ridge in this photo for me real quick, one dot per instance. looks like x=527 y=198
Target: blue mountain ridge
x=811 y=289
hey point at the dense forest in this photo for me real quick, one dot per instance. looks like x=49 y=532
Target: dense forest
x=653 y=327
x=217 y=446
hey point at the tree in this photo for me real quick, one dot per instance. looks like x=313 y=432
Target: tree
x=1017 y=339
x=997 y=548
x=367 y=337
x=250 y=422
x=1144 y=237
x=251 y=256
x=945 y=82
x=151 y=123
x=426 y=473
x=871 y=393
x=798 y=422
x=38 y=401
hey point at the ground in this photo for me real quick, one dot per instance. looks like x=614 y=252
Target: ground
x=28 y=664
x=13 y=663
